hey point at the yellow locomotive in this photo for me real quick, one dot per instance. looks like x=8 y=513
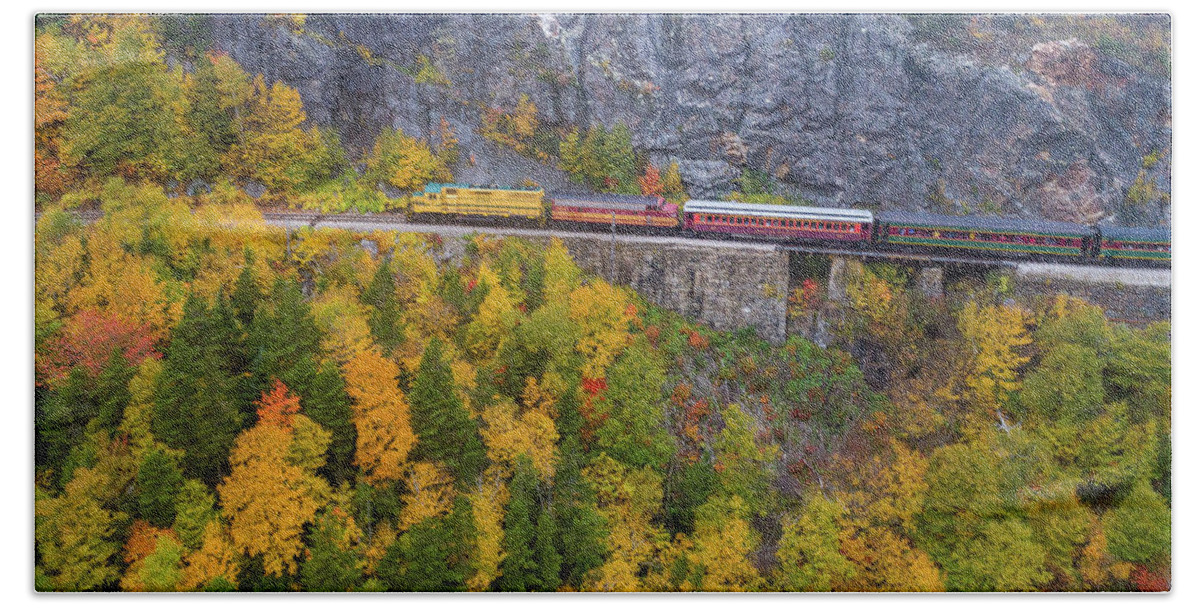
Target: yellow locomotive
x=462 y=199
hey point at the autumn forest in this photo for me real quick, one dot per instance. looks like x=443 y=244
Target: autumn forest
x=225 y=405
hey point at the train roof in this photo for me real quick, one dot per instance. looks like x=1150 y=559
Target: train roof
x=978 y=222
x=1124 y=233
x=784 y=211
x=615 y=201
x=436 y=187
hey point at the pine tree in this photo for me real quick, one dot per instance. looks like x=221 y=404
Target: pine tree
x=447 y=434
x=157 y=487
x=433 y=555
x=246 y=293
x=519 y=571
x=384 y=319
x=332 y=564
x=545 y=553
x=196 y=409
x=193 y=512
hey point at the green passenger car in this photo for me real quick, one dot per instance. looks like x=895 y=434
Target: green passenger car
x=999 y=236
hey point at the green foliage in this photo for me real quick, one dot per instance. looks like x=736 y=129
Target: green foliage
x=809 y=557
x=193 y=510
x=603 y=159
x=125 y=122
x=384 y=319
x=582 y=530
x=1139 y=529
x=345 y=193
x=519 y=569
x=161 y=570
x=331 y=565
x=402 y=162
x=545 y=552
x=196 y=406
x=1004 y=557
x=432 y=555
x=74 y=532
x=447 y=433
x=744 y=463
x=634 y=431
x=1067 y=384
x=686 y=488
x=157 y=486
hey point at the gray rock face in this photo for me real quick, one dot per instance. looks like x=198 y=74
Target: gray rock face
x=844 y=110
x=728 y=289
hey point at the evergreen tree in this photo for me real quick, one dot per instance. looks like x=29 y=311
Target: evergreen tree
x=157 y=487
x=326 y=402
x=384 y=319
x=446 y=432
x=1139 y=529
x=246 y=293
x=193 y=510
x=282 y=336
x=331 y=565
x=286 y=344
x=519 y=570
x=433 y=555
x=112 y=390
x=196 y=409
x=545 y=553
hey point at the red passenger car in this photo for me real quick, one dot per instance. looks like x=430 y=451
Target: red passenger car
x=777 y=221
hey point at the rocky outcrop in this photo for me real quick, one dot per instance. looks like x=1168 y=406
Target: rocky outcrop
x=844 y=110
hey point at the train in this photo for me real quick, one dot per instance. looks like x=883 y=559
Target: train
x=814 y=226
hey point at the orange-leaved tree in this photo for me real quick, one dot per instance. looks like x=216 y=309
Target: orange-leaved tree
x=272 y=490
x=381 y=416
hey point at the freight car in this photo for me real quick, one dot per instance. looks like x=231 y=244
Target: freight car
x=619 y=209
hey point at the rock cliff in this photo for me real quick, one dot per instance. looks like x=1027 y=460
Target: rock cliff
x=875 y=111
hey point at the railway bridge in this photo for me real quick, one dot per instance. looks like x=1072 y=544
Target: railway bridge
x=731 y=284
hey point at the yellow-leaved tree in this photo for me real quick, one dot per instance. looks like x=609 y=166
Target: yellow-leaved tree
x=430 y=493
x=272 y=490
x=629 y=500
x=274 y=148
x=601 y=311
x=487 y=505
x=562 y=275
x=509 y=434
x=723 y=542
x=995 y=335
x=402 y=162
x=380 y=414
x=496 y=318
x=215 y=563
